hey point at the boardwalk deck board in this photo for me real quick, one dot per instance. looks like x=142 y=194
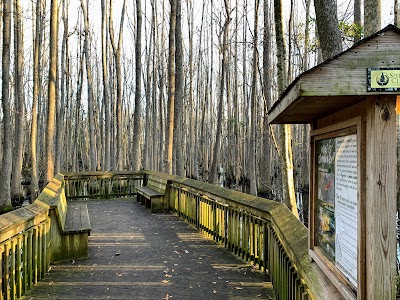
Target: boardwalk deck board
x=134 y=254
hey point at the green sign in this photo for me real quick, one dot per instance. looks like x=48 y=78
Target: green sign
x=383 y=79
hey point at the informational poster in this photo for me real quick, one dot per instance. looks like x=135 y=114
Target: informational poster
x=326 y=197
x=346 y=206
x=337 y=185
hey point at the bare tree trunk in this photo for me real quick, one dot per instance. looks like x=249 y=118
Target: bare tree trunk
x=6 y=166
x=178 y=92
x=106 y=97
x=60 y=106
x=91 y=109
x=253 y=113
x=171 y=90
x=213 y=178
x=328 y=28
x=357 y=17
x=307 y=36
x=265 y=160
x=16 y=191
x=286 y=154
x=117 y=57
x=136 y=157
x=372 y=16
x=396 y=12
x=192 y=125
x=50 y=156
x=36 y=95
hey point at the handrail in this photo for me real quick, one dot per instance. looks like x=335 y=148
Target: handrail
x=260 y=231
x=101 y=185
x=30 y=236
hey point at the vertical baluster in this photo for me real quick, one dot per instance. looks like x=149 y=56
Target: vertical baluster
x=232 y=232
x=197 y=211
x=235 y=230
x=6 y=271
x=47 y=245
x=25 y=263
x=246 y=237
x=225 y=227
x=19 y=266
x=13 y=254
x=39 y=251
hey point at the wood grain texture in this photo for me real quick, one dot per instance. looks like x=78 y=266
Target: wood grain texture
x=381 y=198
x=338 y=83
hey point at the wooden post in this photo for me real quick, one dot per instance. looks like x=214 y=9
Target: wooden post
x=381 y=197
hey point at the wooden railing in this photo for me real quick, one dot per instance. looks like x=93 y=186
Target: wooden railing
x=31 y=237
x=260 y=231
x=101 y=185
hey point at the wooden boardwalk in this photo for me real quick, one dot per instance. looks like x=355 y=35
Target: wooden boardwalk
x=134 y=254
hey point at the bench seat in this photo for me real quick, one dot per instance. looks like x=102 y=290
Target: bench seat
x=77 y=219
x=152 y=195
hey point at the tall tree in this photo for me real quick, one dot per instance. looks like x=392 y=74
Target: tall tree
x=52 y=84
x=93 y=165
x=179 y=166
x=267 y=95
x=285 y=147
x=136 y=157
x=117 y=48
x=171 y=89
x=63 y=92
x=396 y=13
x=372 y=16
x=253 y=106
x=328 y=28
x=307 y=36
x=6 y=166
x=106 y=97
x=357 y=18
x=38 y=37
x=213 y=178
x=19 y=101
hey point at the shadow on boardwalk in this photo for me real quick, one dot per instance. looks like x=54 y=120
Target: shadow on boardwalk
x=134 y=254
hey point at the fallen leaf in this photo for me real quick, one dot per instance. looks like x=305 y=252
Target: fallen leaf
x=167 y=297
x=259 y=295
x=168 y=276
x=185 y=251
x=239 y=288
x=165 y=281
x=214 y=282
x=214 y=291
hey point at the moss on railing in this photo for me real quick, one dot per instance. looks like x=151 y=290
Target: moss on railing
x=292 y=234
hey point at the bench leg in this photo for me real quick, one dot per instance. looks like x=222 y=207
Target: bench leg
x=157 y=204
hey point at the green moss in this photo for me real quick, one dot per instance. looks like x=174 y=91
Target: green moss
x=7 y=209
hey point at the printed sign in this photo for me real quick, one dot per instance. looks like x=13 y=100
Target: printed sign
x=383 y=79
x=337 y=185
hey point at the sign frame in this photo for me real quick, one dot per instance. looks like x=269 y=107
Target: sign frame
x=316 y=253
x=383 y=79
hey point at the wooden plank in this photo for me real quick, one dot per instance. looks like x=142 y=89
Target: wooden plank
x=148 y=192
x=327 y=87
x=381 y=198
x=77 y=219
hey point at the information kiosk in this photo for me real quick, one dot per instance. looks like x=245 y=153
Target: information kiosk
x=350 y=102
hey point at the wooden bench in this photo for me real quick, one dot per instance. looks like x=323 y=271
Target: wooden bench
x=152 y=194
x=77 y=219
x=70 y=224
